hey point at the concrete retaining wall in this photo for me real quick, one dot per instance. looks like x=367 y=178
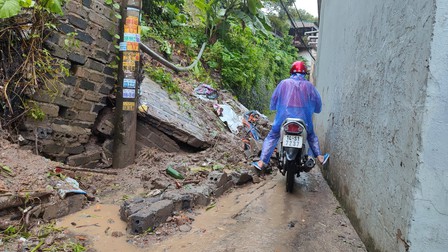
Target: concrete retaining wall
x=379 y=71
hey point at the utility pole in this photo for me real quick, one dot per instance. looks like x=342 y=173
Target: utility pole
x=127 y=95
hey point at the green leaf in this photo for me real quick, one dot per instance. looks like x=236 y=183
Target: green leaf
x=116 y=6
x=9 y=8
x=254 y=5
x=27 y=3
x=117 y=15
x=54 y=6
x=201 y=5
x=221 y=12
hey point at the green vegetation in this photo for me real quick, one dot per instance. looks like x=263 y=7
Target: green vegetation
x=26 y=65
x=242 y=54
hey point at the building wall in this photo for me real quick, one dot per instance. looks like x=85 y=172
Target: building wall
x=430 y=214
x=72 y=105
x=381 y=87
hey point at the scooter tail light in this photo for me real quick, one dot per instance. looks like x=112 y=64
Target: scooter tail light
x=293 y=128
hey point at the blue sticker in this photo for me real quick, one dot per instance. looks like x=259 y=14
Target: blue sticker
x=123 y=46
x=129 y=83
x=128 y=93
x=131 y=37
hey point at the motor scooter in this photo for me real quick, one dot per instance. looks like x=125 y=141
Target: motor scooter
x=292 y=151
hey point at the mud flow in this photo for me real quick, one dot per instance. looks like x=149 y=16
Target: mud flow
x=256 y=217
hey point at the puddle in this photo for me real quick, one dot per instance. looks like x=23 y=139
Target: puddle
x=257 y=217
x=102 y=225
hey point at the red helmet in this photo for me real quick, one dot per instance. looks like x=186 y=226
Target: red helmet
x=298 y=67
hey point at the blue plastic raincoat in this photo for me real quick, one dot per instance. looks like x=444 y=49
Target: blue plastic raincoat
x=298 y=98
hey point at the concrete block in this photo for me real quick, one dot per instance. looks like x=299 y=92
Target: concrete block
x=69 y=114
x=84 y=158
x=74 y=93
x=83 y=105
x=87 y=85
x=103 y=56
x=102 y=21
x=96 y=77
x=201 y=194
x=86 y=116
x=50 y=110
x=74 y=150
x=217 y=178
x=77 y=58
x=106 y=35
x=105 y=89
x=149 y=217
x=77 y=21
x=50 y=147
x=56 y=50
x=105 y=127
x=65 y=28
x=69 y=205
x=92 y=96
x=86 y=3
x=84 y=37
x=110 y=71
x=76 y=8
x=181 y=201
x=95 y=65
x=70 y=80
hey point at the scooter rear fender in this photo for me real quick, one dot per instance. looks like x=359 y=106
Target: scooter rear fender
x=291 y=153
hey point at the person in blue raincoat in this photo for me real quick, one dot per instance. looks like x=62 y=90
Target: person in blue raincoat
x=294 y=97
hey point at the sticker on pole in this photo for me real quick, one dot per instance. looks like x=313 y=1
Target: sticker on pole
x=129 y=93
x=128 y=106
x=131 y=29
x=128 y=46
x=123 y=46
x=131 y=37
x=129 y=83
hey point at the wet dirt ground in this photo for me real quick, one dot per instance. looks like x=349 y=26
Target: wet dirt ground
x=255 y=217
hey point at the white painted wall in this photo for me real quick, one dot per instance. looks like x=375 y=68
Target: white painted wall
x=382 y=76
x=429 y=222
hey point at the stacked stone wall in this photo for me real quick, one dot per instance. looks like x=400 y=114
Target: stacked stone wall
x=72 y=106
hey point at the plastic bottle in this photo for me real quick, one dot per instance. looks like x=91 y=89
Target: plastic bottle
x=173 y=173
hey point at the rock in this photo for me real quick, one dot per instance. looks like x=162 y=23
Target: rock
x=185 y=228
x=64 y=207
x=241 y=177
x=117 y=234
x=149 y=216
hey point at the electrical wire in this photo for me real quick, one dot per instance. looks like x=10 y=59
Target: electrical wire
x=295 y=27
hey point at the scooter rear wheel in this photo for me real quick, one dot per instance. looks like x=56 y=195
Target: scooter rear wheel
x=289 y=167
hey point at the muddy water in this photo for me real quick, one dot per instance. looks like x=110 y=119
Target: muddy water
x=260 y=217
x=101 y=225
x=257 y=217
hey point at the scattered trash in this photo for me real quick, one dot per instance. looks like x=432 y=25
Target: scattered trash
x=89 y=225
x=228 y=116
x=68 y=185
x=173 y=173
x=154 y=192
x=210 y=206
x=206 y=91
